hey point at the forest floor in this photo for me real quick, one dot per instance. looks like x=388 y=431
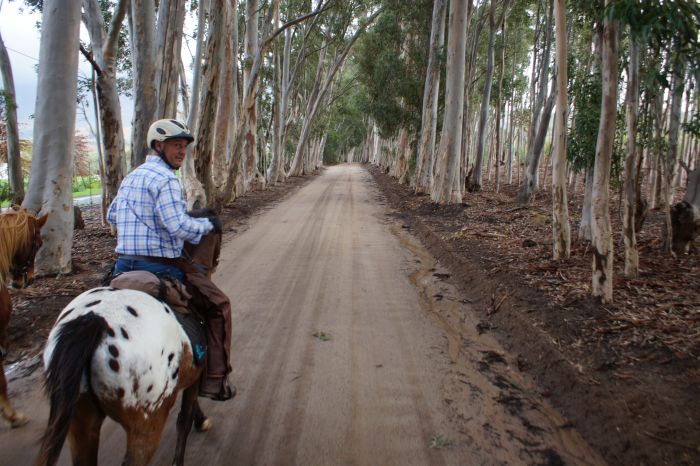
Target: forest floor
x=625 y=374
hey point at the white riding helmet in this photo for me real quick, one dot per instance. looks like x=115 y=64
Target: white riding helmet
x=162 y=130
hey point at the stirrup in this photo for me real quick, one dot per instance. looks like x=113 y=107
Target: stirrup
x=226 y=392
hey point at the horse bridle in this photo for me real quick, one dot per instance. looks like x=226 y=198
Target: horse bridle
x=21 y=270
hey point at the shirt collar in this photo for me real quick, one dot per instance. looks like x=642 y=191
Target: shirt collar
x=152 y=158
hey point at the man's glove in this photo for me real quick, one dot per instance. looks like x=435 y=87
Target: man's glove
x=216 y=223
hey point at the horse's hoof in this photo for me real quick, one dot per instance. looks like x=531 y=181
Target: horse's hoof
x=18 y=419
x=205 y=425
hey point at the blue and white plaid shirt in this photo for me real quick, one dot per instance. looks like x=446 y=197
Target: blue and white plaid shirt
x=150 y=215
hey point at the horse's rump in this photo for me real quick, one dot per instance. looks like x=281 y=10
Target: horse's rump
x=174 y=294
x=72 y=348
x=138 y=360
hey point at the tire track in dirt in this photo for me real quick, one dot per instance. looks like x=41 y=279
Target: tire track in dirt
x=544 y=433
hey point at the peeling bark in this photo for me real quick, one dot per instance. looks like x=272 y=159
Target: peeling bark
x=54 y=128
x=629 y=234
x=171 y=18
x=142 y=22
x=450 y=149
x=561 y=230
x=426 y=149
x=601 y=230
x=194 y=190
x=105 y=50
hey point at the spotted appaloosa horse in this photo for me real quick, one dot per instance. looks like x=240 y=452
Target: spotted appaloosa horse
x=20 y=239
x=122 y=354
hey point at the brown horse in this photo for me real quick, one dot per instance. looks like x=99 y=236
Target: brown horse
x=122 y=354
x=20 y=239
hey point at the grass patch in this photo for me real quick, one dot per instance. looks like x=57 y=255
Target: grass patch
x=323 y=336
x=438 y=442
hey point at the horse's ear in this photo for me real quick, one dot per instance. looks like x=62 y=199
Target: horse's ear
x=42 y=220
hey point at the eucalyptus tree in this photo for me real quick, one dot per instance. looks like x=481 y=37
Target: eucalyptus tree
x=324 y=78
x=630 y=188
x=54 y=123
x=561 y=230
x=447 y=186
x=8 y=104
x=250 y=94
x=426 y=150
x=103 y=56
x=541 y=114
x=494 y=24
x=194 y=188
x=586 y=38
x=142 y=21
x=169 y=27
x=155 y=47
x=601 y=229
x=210 y=92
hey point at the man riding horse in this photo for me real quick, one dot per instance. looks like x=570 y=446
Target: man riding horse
x=149 y=213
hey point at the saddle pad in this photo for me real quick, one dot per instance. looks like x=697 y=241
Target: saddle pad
x=194 y=328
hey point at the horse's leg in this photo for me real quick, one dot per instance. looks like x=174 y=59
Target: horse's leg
x=201 y=422
x=14 y=418
x=84 y=431
x=143 y=435
x=184 y=422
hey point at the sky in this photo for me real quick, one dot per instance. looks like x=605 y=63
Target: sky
x=21 y=37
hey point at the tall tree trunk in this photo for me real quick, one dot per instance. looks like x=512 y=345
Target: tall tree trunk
x=534 y=154
x=184 y=114
x=431 y=91
x=171 y=18
x=485 y=101
x=142 y=22
x=297 y=167
x=584 y=228
x=105 y=48
x=630 y=202
x=281 y=90
x=450 y=148
x=226 y=97
x=54 y=128
x=672 y=156
x=206 y=120
x=511 y=130
x=250 y=142
x=500 y=105
x=532 y=160
x=14 y=159
x=194 y=189
x=601 y=230
x=561 y=230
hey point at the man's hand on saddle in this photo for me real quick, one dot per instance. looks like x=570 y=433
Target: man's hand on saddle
x=216 y=223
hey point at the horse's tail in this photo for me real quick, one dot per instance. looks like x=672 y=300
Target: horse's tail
x=75 y=344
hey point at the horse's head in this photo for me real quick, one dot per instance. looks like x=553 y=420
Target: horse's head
x=22 y=266
x=206 y=253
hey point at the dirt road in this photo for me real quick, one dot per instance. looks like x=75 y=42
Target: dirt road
x=349 y=348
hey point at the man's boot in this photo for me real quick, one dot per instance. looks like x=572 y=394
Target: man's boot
x=216 y=388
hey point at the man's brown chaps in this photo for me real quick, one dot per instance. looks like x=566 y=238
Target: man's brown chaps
x=215 y=308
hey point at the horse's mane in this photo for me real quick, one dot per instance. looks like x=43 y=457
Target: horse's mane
x=14 y=234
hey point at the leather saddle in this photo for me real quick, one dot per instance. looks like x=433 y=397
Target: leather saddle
x=173 y=293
